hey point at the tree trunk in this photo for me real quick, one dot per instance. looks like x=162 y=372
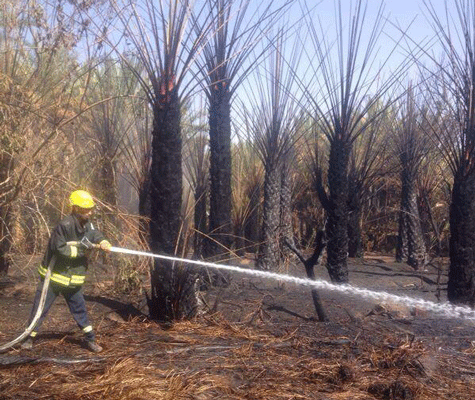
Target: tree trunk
x=401 y=245
x=220 y=171
x=425 y=214
x=253 y=221
x=286 y=208
x=166 y=177
x=355 y=241
x=200 y=219
x=337 y=211
x=269 y=254
x=461 y=285
x=172 y=292
x=416 y=251
x=309 y=265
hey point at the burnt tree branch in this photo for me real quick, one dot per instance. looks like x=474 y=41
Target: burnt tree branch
x=321 y=191
x=309 y=265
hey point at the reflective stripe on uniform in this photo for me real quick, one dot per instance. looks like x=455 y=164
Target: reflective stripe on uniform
x=62 y=279
x=74 y=251
x=77 y=279
x=87 y=329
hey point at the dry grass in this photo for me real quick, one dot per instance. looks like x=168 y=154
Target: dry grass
x=249 y=350
x=213 y=358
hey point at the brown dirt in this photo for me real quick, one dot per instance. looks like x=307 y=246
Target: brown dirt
x=257 y=339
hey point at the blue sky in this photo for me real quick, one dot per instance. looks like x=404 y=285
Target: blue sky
x=400 y=11
x=407 y=14
x=410 y=15
x=404 y=13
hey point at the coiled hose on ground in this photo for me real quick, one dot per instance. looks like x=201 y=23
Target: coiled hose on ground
x=38 y=313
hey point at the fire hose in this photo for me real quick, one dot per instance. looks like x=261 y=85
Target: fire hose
x=41 y=305
x=87 y=244
x=444 y=309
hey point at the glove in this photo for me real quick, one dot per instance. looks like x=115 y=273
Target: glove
x=105 y=245
x=86 y=244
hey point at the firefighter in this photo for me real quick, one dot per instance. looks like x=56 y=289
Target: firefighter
x=67 y=249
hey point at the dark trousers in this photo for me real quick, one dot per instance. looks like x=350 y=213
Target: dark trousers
x=74 y=298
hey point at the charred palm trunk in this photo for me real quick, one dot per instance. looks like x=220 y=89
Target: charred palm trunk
x=355 y=241
x=286 y=208
x=309 y=264
x=428 y=225
x=200 y=219
x=172 y=292
x=337 y=210
x=461 y=285
x=166 y=177
x=269 y=255
x=411 y=223
x=220 y=170
x=402 y=250
x=252 y=223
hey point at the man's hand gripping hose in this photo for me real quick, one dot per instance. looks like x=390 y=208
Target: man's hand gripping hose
x=87 y=244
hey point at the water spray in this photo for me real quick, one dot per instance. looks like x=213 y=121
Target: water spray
x=444 y=309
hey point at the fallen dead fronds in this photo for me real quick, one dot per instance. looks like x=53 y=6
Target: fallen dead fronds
x=213 y=358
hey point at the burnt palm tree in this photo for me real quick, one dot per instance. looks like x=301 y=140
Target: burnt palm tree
x=411 y=147
x=166 y=40
x=223 y=67
x=368 y=163
x=274 y=126
x=247 y=197
x=347 y=89
x=197 y=175
x=454 y=81
x=434 y=186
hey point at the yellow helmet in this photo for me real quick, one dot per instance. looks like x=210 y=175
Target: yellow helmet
x=82 y=199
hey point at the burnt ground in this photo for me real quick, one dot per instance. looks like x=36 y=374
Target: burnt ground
x=255 y=339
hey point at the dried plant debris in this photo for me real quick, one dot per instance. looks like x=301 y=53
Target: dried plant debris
x=214 y=358
x=255 y=342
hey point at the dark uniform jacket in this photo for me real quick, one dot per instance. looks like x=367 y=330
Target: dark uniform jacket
x=70 y=264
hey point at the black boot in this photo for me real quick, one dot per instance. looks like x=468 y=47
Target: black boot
x=93 y=346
